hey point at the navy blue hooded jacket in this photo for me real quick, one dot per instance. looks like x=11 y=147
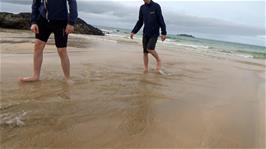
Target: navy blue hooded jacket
x=54 y=10
x=151 y=15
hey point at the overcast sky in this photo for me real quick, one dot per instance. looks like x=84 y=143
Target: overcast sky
x=235 y=20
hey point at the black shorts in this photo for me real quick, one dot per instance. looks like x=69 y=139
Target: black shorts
x=56 y=27
x=149 y=43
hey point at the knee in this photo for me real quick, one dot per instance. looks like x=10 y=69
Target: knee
x=39 y=44
x=62 y=52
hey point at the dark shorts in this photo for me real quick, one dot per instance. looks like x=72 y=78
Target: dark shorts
x=56 y=27
x=149 y=43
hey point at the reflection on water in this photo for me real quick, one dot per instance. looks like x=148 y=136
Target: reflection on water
x=50 y=107
x=107 y=108
x=139 y=115
x=196 y=104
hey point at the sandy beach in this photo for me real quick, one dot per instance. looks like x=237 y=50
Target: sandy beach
x=204 y=99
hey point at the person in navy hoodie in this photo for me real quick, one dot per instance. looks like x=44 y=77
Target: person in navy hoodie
x=52 y=16
x=151 y=15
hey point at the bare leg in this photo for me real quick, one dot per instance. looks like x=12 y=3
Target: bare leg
x=146 y=61
x=37 y=62
x=158 y=60
x=65 y=63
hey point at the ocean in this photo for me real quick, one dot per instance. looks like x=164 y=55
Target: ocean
x=231 y=48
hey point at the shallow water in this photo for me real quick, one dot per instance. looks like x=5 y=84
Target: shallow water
x=107 y=109
x=197 y=103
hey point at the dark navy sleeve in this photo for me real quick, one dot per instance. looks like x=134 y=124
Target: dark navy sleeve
x=161 y=20
x=73 y=9
x=35 y=11
x=139 y=23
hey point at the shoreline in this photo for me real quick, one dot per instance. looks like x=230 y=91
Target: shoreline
x=206 y=100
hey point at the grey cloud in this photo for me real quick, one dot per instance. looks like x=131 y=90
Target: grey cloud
x=23 y=2
x=209 y=25
x=115 y=14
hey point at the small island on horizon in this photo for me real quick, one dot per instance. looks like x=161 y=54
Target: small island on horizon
x=186 y=35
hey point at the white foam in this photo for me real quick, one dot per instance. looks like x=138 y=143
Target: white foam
x=244 y=56
x=11 y=119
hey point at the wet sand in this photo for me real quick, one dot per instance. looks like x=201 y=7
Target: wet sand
x=205 y=100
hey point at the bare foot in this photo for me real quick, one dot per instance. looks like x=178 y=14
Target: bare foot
x=69 y=82
x=28 y=79
x=145 y=71
x=161 y=72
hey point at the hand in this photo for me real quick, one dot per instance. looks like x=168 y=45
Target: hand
x=163 y=37
x=69 y=29
x=132 y=35
x=34 y=28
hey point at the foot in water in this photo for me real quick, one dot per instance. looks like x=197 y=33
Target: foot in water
x=28 y=79
x=145 y=71
x=161 y=72
x=69 y=82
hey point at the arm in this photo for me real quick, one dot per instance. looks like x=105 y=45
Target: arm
x=161 y=21
x=35 y=11
x=139 y=23
x=73 y=12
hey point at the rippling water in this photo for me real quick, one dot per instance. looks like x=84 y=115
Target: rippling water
x=113 y=104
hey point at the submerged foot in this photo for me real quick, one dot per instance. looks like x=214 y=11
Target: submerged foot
x=145 y=71
x=69 y=82
x=161 y=72
x=28 y=79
